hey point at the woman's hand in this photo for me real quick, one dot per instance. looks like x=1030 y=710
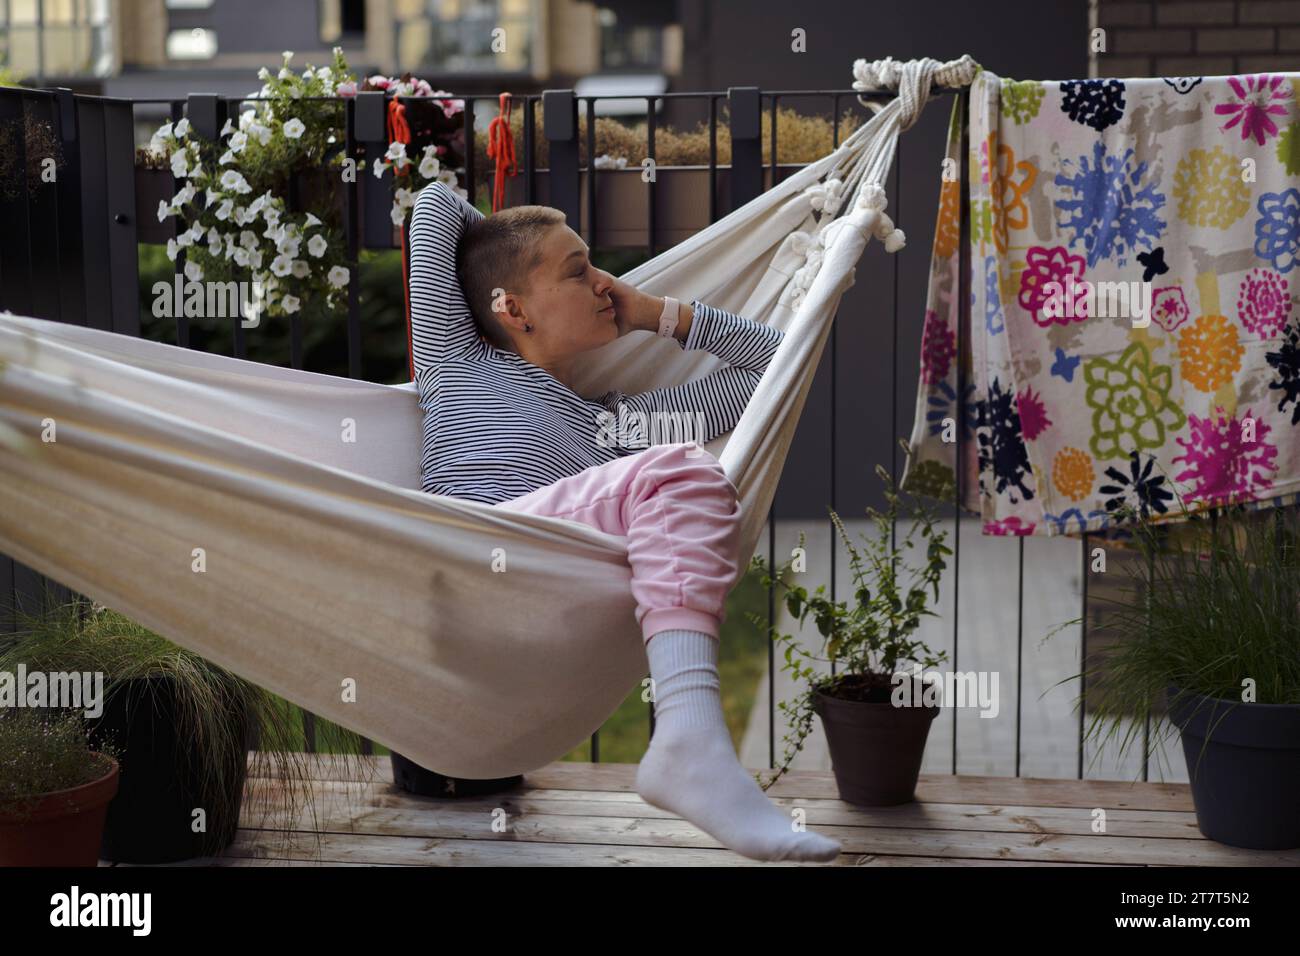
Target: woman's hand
x=634 y=309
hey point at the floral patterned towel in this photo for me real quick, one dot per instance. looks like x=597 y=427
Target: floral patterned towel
x=1080 y=404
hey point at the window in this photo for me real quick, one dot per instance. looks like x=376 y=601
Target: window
x=196 y=44
x=341 y=18
x=466 y=36
x=56 y=38
x=629 y=46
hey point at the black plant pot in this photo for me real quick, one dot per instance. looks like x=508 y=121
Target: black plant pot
x=1244 y=764
x=876 y=748
x=151 y=820
x=427 y=783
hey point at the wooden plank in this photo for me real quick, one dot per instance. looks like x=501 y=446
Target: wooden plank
x=820 y=812
x=368 y=850
x=453 y=820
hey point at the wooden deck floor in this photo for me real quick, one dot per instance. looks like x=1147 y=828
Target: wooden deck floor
x=589 y=814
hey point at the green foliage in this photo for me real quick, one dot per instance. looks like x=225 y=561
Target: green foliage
x=873 y=637
x=1210 y=607
x=212 y=705
x=42 y=753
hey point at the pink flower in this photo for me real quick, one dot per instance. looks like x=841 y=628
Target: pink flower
x=1009 y=526
x=379 y=82
x=1226 y=457
x=1033 y=414
x=1169 y=307
x=1263 y=303
x=1043 y=267
x=938 y=346
x=346 y=89
x=1260 y=97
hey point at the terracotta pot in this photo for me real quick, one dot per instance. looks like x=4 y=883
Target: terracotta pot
x=64 y=829
x=681 y=198
x=876 y=748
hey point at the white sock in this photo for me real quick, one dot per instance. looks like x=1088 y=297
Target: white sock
x=691 y=768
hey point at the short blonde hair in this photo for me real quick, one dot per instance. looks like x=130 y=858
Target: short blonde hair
x=501 y=251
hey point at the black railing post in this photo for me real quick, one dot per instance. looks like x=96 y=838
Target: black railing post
x=746 y=144
x=560 y=126
x=378 y=193
x=72 y=279
x=15 y=236
x=123 y=252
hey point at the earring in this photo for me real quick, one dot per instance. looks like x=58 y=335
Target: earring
x=527 y=327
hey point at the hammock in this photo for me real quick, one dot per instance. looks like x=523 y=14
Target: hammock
x=326 y=575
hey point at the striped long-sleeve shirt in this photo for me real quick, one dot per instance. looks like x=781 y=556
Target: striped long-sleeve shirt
x=497 y=426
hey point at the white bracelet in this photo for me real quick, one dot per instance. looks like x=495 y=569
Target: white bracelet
x=668 y=320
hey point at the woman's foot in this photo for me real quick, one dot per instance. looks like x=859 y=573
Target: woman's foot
x=691 y=768
x=693 y=772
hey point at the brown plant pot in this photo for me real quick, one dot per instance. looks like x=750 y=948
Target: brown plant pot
x=876 y=748
x=64 y=829
x=681 y=198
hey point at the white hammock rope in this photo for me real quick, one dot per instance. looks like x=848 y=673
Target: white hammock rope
x=324 y=562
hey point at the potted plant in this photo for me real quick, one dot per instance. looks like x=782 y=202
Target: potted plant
x=54 y=790
x=876 y=717
x=681 y=196
x=1209 y=644
x=263 y=202
x=184 y=729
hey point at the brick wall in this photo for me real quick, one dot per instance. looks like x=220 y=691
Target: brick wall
x=1197 y=37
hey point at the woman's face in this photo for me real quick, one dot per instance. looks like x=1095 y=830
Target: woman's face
x=569 y=304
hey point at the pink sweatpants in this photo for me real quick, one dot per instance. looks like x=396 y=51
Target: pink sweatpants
x=681 y=517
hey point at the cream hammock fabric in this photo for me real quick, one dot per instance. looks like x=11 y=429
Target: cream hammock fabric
x=325 y=564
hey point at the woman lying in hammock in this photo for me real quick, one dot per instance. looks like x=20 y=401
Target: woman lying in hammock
x=495 y=371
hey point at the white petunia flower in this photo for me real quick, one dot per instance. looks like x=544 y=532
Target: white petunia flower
x=180 y=168
x=312 y=221
x=300 y=269
x=288 y=246
x=214 y=241
x=290 y=303
x=233 y=179
x=282 y=265
x=241 y=257
x=263 y=133
x=238 y=141
x=294 y=128
x=256 y=256
x=271 y=214
x=379 y=170
x=228 y=128
x=429 y=166
x=243 y=217
x=164 y=131
x=317 y=245
x=248 y=239
x=284 y=73
x=193 y=271
x=173 y=249
x=396 y=151
x=397 y=214
x=164 y=210
x=264 y=74
x=182 y=127
x=223 y=211
x=339 y=277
